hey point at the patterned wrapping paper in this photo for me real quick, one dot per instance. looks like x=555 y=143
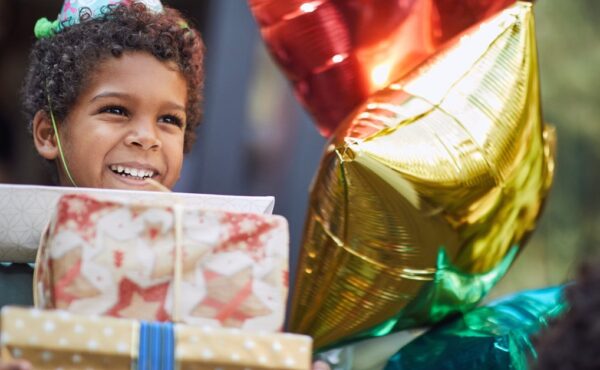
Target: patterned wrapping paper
x=164 y=263
x=57 y=339
x=25 y=211
x=73 y=11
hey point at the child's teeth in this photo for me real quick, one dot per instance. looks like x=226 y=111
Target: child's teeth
x=134 y=172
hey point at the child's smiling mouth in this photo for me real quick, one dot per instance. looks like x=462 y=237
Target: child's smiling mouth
x=133 y=173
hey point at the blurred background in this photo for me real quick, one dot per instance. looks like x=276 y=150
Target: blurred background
x=256 y=140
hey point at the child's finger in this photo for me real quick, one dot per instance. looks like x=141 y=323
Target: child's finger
x=158 y=186
x=16 y=365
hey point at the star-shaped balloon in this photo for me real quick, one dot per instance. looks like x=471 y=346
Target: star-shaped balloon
x=453 y=156
x=337 y=53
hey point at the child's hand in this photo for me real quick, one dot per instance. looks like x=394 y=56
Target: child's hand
x=320 y=365
x=15 y=365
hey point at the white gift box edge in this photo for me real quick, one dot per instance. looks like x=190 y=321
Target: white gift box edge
x=25 y=210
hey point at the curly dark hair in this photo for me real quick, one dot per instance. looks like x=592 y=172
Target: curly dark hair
x=571 y=341
x=61 y=65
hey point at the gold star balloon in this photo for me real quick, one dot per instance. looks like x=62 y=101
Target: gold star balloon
x=428 y=190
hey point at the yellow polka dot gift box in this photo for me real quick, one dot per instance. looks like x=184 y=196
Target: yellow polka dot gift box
x=169 y=262
x=53 y=339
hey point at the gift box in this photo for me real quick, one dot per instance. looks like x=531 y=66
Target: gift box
x=25 y=211
x=61 y=340
x=166 y=262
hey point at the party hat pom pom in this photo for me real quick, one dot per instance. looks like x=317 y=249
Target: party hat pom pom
x=44 y=28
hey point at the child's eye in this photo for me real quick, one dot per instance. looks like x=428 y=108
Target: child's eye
x=114 y=109
x=172 y=120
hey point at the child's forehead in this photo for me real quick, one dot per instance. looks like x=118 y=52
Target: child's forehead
x=129 y=59
x=130 y=63
x=137 y=74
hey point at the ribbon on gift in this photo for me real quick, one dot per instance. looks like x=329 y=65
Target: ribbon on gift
x=177 y=268
x=156 y=347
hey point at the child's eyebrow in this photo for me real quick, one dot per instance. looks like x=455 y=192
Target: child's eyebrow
x=114 y=94
x=175 y=106
x=110 y=94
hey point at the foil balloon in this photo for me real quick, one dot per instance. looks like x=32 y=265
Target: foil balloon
x=494 y=337
x=425 y=191
x=337 y=53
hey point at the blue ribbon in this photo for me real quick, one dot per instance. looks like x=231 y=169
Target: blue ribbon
x=157 y=346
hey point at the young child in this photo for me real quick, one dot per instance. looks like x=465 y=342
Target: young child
x=113 y=96
x=113 y=93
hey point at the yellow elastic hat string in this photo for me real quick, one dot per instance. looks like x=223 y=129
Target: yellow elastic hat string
x=60 y=151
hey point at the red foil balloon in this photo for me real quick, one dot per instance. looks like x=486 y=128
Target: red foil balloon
x=337 y=52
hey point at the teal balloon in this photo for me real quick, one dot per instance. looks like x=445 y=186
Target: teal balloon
x=497 y=336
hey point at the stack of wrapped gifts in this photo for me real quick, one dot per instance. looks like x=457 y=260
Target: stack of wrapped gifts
x=156 y=285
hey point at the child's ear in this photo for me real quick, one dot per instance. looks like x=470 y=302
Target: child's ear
x=43 y=136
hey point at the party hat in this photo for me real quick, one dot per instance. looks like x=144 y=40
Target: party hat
x=76 y=11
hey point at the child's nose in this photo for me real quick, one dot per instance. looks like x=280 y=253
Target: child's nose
x=143 y=134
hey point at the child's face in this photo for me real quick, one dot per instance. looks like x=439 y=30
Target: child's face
x=127 y=124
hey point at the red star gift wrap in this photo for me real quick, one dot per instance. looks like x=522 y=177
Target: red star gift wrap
x=164 y=263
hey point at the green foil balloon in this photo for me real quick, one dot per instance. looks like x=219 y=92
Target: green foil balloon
x=450 y=291
x=493 y=337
